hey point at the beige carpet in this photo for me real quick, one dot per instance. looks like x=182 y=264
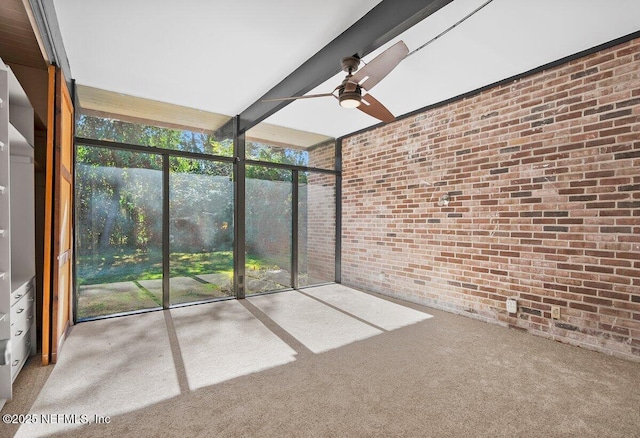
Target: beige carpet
x=327 y=361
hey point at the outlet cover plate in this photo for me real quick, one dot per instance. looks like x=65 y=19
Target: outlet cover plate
x=512 y=305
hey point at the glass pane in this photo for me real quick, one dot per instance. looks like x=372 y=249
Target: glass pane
x=181 y=139
x=316 y=228
x=321 y=156
x=118 y=230
x=268 y=229
x=201 y=230
x=274 y=154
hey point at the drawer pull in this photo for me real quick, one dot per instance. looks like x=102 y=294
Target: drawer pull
x=29 y=318
x=19 y=332
x=15 y=363
x=31 y=299
x=19 y=311
x=17 y=297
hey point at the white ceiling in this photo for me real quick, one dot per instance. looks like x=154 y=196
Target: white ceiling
x=223 y=55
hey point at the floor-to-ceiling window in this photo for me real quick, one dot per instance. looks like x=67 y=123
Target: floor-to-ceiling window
x=268 y=226
x=118 y=230
x=200 y=230
x=158 y=208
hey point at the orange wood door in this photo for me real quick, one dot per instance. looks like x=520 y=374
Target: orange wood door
x=57 y=279
x=48 y=220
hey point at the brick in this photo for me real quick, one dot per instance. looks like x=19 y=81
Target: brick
x=633 y=273
x=626 y=155
x=615 y=229
x=598 y=110
x=585 y=307
x=531 y=311
x=565 y=326
x=616 y=114
x=582 y=198
x=555 y=228
x=510 y=150
x=584 y=73
x=570 y=267
x=629 y=204
x=614 y=295
x=626 y=103
x=629 y=188
x=547 y=121
x=597 y=301
x=583 y=183
x=544 y=179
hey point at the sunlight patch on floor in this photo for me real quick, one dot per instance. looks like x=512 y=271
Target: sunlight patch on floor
x=107 y=367
x=221 y=341
x=374 y=310
x=317 y=326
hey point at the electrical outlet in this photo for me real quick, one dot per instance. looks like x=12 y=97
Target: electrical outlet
x=512 y=305
x=555 y=312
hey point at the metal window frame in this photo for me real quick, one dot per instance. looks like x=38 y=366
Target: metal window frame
x=295 y=181
x=239 y=212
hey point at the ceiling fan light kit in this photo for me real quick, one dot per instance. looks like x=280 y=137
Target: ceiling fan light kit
x=349 y=92
x=350 y=100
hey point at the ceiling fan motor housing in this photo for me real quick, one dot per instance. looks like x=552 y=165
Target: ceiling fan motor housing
x=349 y=99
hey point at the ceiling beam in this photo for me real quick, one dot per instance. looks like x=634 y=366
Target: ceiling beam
x=381 y=24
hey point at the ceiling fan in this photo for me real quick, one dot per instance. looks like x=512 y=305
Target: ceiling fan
x=350 y=92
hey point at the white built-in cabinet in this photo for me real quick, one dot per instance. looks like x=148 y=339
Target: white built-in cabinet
x=17 y=236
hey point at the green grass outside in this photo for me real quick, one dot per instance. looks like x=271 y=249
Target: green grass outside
x=98 y=273
x=129 y=265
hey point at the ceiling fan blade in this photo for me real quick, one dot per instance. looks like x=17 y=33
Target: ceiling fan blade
x=308 y=96
x=371 y=106
x=380 y=66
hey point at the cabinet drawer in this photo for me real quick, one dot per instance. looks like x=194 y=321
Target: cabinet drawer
x=22 y=292
x=20 y=348
x=21 y=317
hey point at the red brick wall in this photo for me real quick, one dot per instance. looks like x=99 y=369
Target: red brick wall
x=543 y=180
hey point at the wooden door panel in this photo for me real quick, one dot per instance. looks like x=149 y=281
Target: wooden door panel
x=47 y=266
x=63 y=205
